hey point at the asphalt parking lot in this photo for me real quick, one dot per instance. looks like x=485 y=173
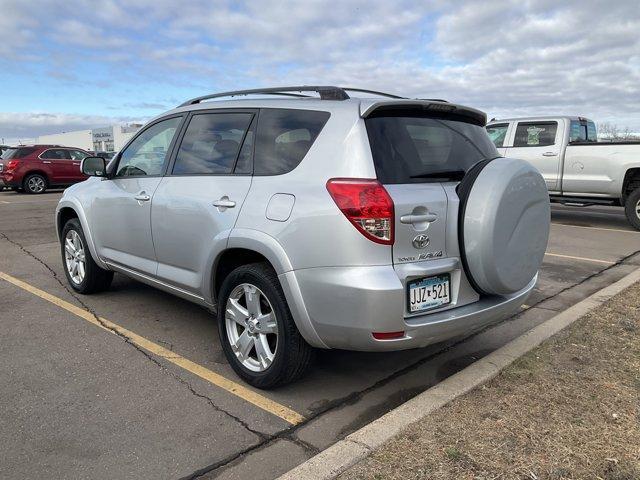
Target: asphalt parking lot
x=132 y=383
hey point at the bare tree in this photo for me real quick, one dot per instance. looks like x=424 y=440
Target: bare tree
x=611 y=132
x=608 y=130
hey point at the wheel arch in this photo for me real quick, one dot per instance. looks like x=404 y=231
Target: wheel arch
x=249 y=246
x=631 y=182
x=68 y=209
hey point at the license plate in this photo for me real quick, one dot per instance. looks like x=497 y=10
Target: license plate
x=429 y=292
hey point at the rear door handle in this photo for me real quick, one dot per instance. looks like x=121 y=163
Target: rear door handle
x=142 y=197
x=45 y=161
x=411 y=219
x=549 y=154
x=224 y=203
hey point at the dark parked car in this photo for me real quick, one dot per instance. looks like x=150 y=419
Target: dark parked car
x=34 y=168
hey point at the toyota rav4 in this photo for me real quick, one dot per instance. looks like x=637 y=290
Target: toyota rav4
x=314 y=220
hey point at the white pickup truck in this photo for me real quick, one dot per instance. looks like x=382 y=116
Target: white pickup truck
x=577 y=168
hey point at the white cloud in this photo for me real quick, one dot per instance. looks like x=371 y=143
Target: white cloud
x=516 y=57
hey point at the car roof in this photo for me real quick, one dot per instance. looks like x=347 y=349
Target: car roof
x=325 y=98
x=353 y=105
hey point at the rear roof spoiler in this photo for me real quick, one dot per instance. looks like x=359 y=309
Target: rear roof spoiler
x=433 y=106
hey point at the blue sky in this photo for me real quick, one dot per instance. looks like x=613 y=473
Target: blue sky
x=80 y=63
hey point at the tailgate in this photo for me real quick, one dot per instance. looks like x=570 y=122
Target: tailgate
x=420 y=221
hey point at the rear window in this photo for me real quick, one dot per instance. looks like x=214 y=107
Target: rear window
x=284 y=138
x=582 y=132
x=418 y=149
x=17 y=152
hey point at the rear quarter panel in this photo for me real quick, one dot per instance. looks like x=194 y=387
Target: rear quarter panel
x=317 y=234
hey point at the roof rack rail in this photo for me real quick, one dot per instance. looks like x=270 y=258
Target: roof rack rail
x=326 y=93
x=374 y=92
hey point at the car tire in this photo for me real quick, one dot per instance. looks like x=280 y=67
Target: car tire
x=251 y=304
x=35 y=183
x=632 y=208
x=82 y=272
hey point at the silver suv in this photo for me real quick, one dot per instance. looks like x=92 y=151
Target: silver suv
x=313 y=219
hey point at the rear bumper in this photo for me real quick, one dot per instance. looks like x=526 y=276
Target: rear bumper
x=8 y=180
x=340 y=307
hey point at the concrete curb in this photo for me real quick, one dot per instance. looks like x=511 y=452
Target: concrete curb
x=331 y=462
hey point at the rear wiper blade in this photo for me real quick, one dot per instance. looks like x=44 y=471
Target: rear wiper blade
x=442 y=174
x=452 y=175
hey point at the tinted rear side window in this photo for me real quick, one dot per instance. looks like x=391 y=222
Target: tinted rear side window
x=284 y=138
x=417 y=149
x=17 y=153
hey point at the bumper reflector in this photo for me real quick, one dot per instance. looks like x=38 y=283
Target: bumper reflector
x=387 y=335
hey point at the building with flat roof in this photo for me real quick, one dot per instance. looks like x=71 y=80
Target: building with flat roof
x=106 y=139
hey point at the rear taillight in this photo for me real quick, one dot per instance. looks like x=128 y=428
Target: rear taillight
x=11 y=164
x=367 y=205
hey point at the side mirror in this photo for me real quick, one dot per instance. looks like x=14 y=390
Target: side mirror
x=94 y=167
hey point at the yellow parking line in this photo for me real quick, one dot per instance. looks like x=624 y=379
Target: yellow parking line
x=597 y=228
x=606 y=262
x=216 y=379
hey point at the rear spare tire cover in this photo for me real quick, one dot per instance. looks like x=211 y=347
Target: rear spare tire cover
x=504 y=222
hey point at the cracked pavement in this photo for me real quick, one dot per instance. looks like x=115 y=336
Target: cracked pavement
x=81 y=403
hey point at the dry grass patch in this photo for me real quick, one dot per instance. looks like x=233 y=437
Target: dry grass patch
x=567 y=410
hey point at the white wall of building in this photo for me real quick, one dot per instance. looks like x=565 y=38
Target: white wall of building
x=106 y=139
x=80 y=138
x=122 y=134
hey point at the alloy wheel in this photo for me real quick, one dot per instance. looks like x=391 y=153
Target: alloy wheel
x=251 y=327
x=36 y=184
x=74 y=256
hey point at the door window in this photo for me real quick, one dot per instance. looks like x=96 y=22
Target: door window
x=78 y=154
x=498 y=133
x=147 y=154
x=211 y=144
x=535 y=134
x=56 y=154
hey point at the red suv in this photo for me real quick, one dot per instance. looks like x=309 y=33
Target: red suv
x=34 y=168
